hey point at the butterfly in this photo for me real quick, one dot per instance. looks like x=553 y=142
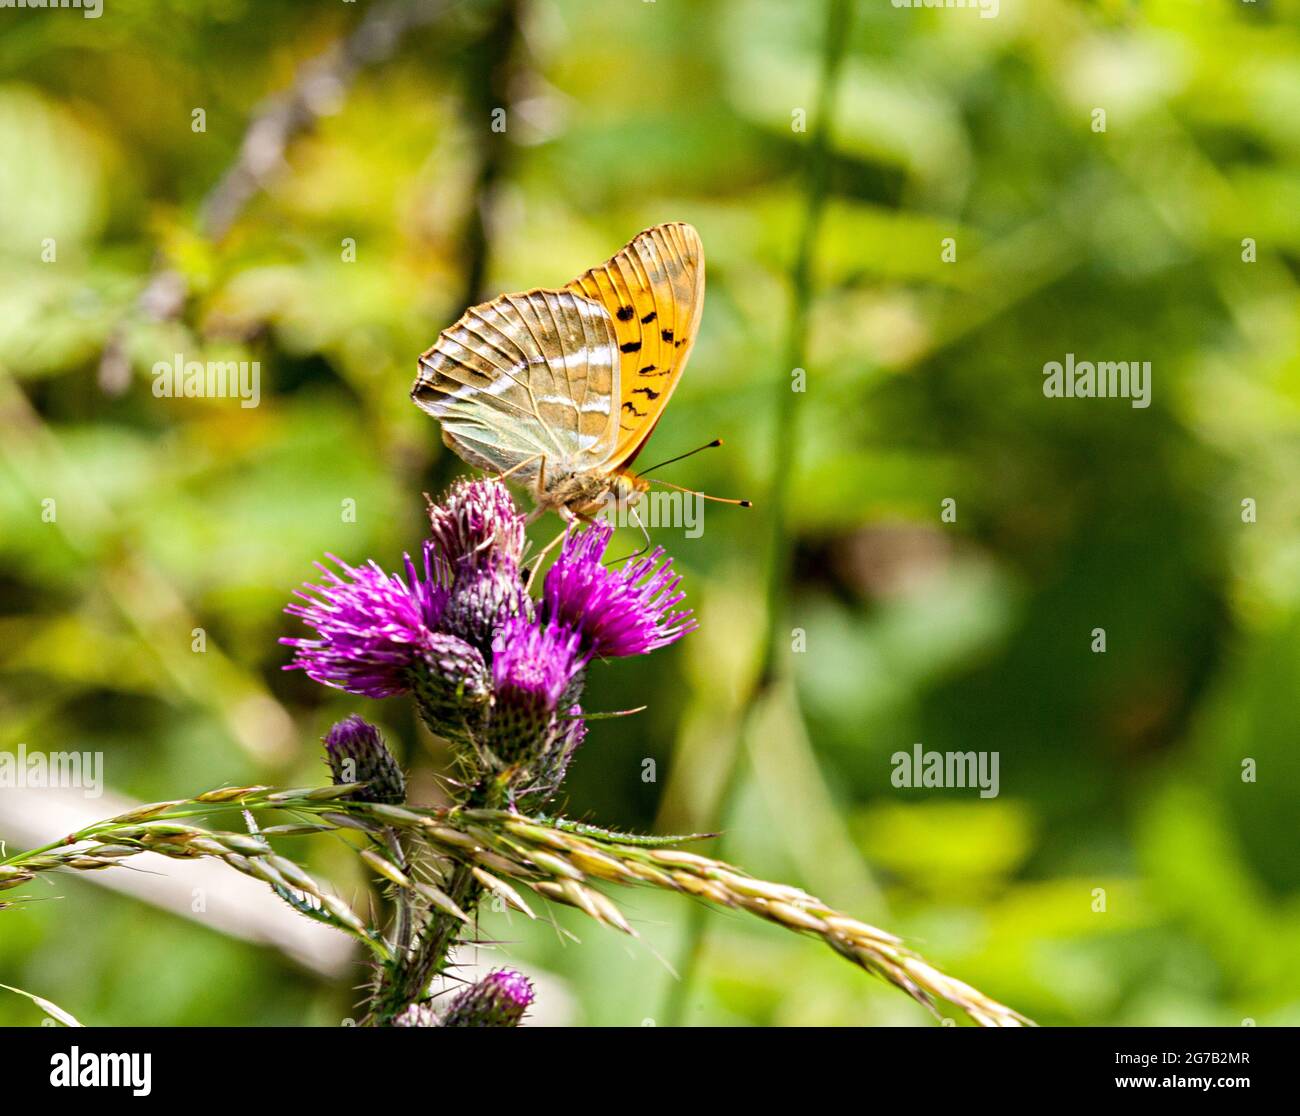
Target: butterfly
x=562 y=388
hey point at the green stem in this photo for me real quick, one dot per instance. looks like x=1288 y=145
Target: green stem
x=399 y=846
x=407 y=982
x=432 y=948
x=490 y=68
x=786 y=423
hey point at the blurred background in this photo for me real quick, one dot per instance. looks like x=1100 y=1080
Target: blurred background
x=318 y=187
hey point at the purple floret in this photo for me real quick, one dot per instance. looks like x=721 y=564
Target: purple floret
x=617 y=612
x=477 y=524
x=370 y=626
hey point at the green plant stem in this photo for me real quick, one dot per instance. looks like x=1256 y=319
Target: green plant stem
x=432 y=950
x=407 y=981
x=785 y=441
x=490 y=67
x=399 y=847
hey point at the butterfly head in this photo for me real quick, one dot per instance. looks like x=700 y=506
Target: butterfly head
x=625 y=490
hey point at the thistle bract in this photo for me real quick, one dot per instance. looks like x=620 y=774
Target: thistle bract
x=482 y=599
x=532 y=667
x=567 y=735
x=498 y=1000
x=356 y=753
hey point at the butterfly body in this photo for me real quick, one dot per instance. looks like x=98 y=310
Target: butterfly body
x=561 y=388
x=584 y=495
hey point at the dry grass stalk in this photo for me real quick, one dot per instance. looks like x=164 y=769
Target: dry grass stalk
x=557 y=859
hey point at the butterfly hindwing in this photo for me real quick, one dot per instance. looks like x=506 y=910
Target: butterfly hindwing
x=526 y=376
x=654 y=291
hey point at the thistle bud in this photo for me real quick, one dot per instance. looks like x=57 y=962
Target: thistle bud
x=498 y=1000
x=356 y=753
x=451 y=686
x=477 y=525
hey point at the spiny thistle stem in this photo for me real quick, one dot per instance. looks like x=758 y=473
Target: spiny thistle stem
x=431 y=951
x=397 y=845
x=428 y=952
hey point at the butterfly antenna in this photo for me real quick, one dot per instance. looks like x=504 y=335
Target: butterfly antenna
x=535 y=562
x=704 y=495
x=711 y=445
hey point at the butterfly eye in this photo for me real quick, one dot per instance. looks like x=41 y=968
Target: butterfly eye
x=626 y=491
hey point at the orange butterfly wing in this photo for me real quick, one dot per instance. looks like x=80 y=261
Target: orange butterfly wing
x=654 y=292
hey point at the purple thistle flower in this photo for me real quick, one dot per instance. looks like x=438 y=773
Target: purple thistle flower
x=371 y=626
x=498 y=1000
x=480 y=537
x=477 y=524
x=532 y=667
x=614 y=614
x=356 y=753
x=534 y=660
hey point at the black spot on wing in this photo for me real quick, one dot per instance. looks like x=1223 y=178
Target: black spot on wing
x=647 y=392
x=630 y=347
x=625 y=313
x=650 y=317
x=666 y=334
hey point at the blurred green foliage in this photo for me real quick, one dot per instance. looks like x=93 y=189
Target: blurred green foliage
x=1120 y=771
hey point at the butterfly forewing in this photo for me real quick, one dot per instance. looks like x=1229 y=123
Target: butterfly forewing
x=523 y=377
x=654 y=291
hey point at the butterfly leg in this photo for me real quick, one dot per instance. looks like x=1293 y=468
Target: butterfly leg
x=539 y=492
x=539 y=495
x=645 y=534
x=535 y=563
